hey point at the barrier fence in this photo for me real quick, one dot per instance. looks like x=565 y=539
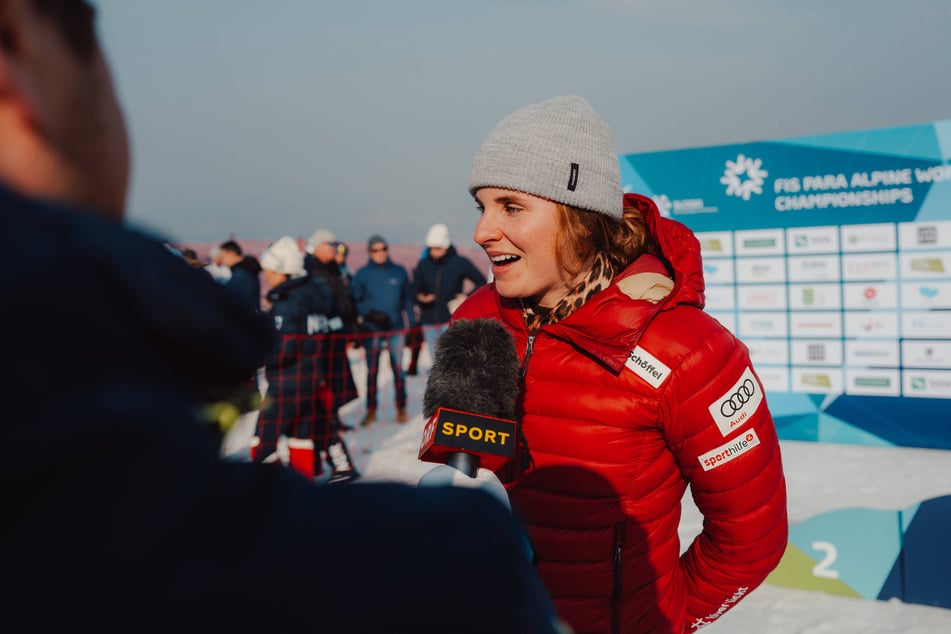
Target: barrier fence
x=315 y=387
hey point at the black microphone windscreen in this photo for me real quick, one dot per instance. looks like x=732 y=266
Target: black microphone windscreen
x=476 y=370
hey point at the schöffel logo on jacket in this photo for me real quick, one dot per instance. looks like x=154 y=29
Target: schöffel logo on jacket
x=647 y=366
x=738 y=404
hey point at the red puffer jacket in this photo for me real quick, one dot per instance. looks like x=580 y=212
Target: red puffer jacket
x=626 y=402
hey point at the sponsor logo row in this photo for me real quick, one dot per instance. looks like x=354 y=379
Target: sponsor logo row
x=889 y=325
x=922 y=266
x=850 y=296
x=859 y=382
x=879 y=237
x=860 y=354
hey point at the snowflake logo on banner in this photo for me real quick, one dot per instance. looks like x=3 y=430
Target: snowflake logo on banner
x=744 y=177
x=663 y=204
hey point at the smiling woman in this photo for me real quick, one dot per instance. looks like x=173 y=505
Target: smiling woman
x=605 y=299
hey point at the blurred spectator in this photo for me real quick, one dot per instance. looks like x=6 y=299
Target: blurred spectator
x=438 y=283
x=383 y=296
x=245 y=274
x=299 y=403
x=340 y=256
x=192 y=258
x=322 y=265
x=219 y=271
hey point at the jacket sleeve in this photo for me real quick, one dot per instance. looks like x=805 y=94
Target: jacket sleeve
x=725 y=443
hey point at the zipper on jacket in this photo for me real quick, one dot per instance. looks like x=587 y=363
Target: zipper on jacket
x=528 y=355
x=616 y=595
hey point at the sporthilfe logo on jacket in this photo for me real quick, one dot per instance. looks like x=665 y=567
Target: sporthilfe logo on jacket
x=732 y=449
x=738 y=404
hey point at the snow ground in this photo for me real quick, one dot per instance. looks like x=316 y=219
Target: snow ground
x=820 y=478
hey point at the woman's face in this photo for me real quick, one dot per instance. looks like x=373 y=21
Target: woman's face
x=518 y=232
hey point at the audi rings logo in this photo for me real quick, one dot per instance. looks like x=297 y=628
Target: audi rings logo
x=735 y=401
x=735 y=407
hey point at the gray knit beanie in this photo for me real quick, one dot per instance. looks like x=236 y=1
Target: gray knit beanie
x=559 y=149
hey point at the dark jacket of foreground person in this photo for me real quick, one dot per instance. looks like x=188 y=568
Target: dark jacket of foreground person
x=119 y=516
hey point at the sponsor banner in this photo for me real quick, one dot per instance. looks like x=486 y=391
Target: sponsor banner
x=768 y=351
x=816 y=380
x=926 y=324
x=720 y=298
x=925 y=265
x=872 y=382
x=727 y=320
x=865 y=238
x=765 y=242
x=802 y=240
x=716 y=244
x=729 y=451
x=735 y=407
x=760 y=270
x=857 y=227
x=718 y=271
x=763 y=325
x=816 y=352
x=865 y=354
x=924 y=295
x=866 y=295
x=879 y=324
x=880 y=266
x=926 y=354
x=815 y=324
x=761 y=297
x=773 y=379
x=814 y=268
x=926 y=383
x=815 y=296
x=924 y=235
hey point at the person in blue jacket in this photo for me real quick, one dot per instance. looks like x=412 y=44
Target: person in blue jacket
x=118 y=513
x=384 y=299
x=439 y=283
x=300 y=403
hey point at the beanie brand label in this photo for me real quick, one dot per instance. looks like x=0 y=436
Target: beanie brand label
x=573 y=177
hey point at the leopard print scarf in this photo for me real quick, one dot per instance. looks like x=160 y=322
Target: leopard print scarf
x=597 y=279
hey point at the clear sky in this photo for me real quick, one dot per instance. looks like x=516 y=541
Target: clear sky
x=264 y=118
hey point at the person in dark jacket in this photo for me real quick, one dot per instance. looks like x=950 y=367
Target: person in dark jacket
x=300 y=403
x=245 y=278
x=323 y=266
x=438 y=283
x=384 y=299
x=118 y=513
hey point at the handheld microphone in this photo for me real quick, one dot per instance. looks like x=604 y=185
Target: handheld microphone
x=470 y=398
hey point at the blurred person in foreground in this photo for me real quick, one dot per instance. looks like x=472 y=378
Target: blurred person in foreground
x=118 y=515
x=384 y=299
x=300 y=403
x=438 y=283
x=630 y=391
